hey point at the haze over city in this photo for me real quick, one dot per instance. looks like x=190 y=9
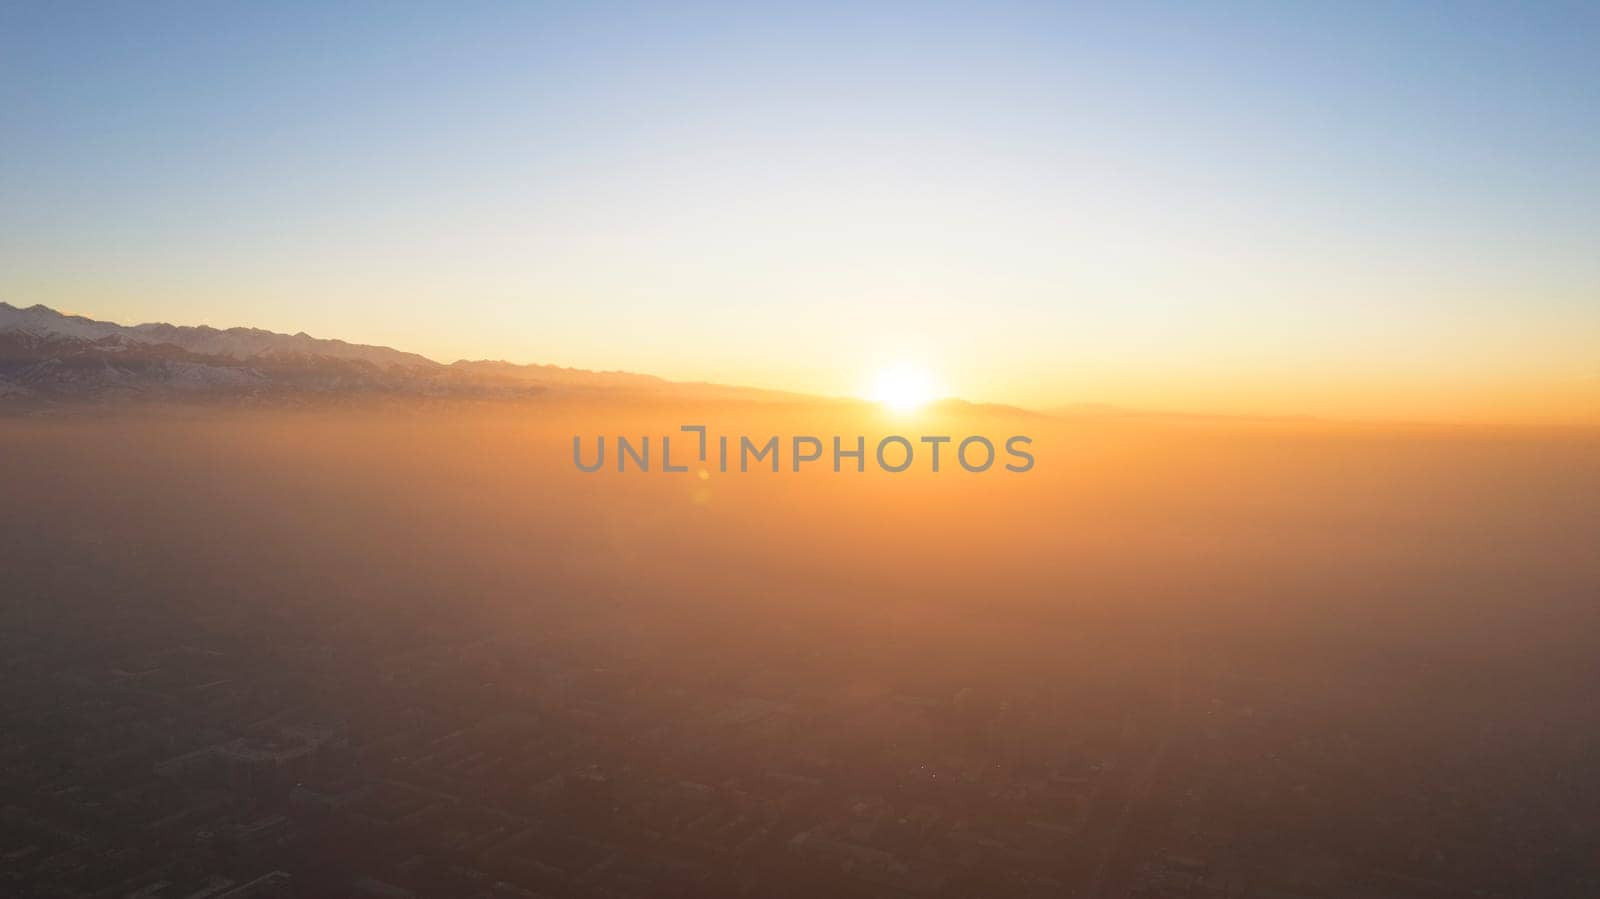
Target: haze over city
x=1120 y=451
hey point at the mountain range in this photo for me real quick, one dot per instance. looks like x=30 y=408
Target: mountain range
x=49 y=357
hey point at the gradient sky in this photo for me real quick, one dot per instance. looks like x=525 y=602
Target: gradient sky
x=1349 y=209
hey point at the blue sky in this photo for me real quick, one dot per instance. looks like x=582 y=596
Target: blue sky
x=1351 y=208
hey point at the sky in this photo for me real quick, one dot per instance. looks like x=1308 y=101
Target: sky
x=1349 y=210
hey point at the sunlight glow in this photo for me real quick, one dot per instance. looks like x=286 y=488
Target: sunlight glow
x=903 y=388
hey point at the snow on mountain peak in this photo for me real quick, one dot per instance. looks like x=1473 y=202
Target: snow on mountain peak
x=237 y=343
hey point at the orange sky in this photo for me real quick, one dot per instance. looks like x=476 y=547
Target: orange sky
x=1389 y=214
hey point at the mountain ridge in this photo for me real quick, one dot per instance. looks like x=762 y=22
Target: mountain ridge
x=51 y=356
x=237 y=342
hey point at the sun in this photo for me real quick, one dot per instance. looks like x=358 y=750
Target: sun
x=904 y=388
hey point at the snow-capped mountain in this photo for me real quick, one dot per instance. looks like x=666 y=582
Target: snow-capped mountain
x=235 y=343
x=47 y=356
x=50 y=357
